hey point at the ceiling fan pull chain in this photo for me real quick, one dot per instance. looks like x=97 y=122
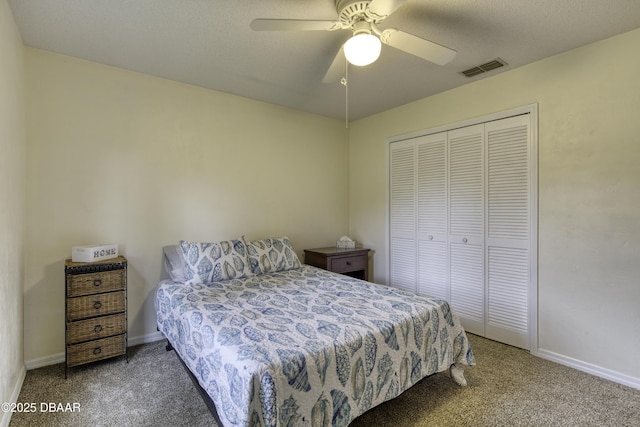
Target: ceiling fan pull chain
x=345 y=83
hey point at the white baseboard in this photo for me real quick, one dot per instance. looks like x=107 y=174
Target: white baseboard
x=59 y=357
x=41 y=362
x=6 y=416
x=145 y=339
x=590 y=368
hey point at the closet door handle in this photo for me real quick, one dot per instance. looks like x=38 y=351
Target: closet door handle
x=464 y=240
x=429 y=237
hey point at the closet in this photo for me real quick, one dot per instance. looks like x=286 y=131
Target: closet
x=462 y=222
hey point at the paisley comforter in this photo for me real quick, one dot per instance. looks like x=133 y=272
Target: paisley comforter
x=306 y=346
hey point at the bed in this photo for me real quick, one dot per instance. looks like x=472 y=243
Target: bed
x=273 y=342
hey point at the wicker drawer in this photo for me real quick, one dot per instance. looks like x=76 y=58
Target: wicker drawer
x=98 y=327
x=96 y=310
x=96 y=305
x=91 y=283
x=347 y=264
x=96 y=350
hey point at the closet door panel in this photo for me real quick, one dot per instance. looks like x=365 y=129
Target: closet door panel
x=431 y=195
x=508 y=302
x=467 y=285
x=508 y=179
x=466 y=182
x=508 y=230
x=433 y=278
x=432 y=186
x=402 y=214
x=403 y=263
x=466 y=226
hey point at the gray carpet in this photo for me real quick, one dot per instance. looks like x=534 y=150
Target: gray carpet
x=507 y=387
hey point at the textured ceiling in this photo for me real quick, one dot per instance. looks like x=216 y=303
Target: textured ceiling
x=209 y=43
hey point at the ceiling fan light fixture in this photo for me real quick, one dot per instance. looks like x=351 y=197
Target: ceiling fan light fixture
x=362 y=49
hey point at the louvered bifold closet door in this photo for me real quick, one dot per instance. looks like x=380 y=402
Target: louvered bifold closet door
x=508 y=230
x=466 y=226
x=433 y=275
x=402 y=223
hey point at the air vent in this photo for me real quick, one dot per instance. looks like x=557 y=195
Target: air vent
x=491 y=65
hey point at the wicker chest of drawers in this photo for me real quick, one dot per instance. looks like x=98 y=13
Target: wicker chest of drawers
x=95 y=311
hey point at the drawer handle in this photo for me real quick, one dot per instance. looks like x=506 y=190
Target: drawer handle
x=98 y=328
x=348 y=262
x=97 y=350
x=97 y=282
x=97 y=305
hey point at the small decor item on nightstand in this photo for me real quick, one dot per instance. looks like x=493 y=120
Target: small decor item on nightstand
x=92 y=253
x=345 y=243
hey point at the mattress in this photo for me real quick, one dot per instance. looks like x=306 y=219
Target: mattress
x=306 y=346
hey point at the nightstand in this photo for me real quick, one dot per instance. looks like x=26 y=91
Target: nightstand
x=352 y=262
x=95 y=311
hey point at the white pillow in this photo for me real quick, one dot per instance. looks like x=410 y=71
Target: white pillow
x=174 y=262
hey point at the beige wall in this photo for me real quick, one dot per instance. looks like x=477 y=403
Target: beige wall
x=589 y=198
x=12 y=208
x=115 y=156
x=120 y=157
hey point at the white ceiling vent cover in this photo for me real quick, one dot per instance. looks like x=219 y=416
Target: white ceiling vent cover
x=491 y=65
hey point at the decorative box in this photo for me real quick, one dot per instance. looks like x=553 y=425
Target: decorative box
x=345 y=244
x=91 y=253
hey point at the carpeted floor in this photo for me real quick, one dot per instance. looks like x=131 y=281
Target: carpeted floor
x=507 y=387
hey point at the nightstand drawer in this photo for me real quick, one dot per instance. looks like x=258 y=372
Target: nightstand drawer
x=353 y=262
x=96 y=350
x=347 y=264
x=92 y=283
x=95 y=305
x=98 y=327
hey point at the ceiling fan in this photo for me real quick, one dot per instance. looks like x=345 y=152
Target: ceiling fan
x=362 y=17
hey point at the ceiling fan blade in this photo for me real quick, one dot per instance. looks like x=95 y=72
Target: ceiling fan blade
x=380 y=9
x=417 y=46
x=336 y=69
x=293 y=25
